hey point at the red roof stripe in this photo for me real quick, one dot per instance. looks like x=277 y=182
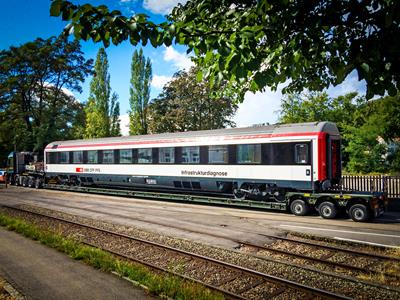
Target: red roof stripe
x=183 y=140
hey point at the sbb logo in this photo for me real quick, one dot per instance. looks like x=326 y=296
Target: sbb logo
x=79 y=170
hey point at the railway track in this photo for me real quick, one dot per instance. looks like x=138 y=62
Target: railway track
x=232 y=280
x=342 y=260
x=346 y=287
x=337 y=261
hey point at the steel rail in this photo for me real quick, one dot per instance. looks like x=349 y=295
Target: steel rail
x=301 y=256
x=310 y=291
x=305 y=257
x=209 y=199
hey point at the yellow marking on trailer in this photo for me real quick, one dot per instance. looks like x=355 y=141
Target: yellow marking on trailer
x=307 y=195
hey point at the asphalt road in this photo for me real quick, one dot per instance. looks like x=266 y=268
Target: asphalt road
x=197 y=222
x=39 y=272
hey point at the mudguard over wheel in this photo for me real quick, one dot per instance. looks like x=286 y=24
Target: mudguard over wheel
x=299 y=207
x=327 y=210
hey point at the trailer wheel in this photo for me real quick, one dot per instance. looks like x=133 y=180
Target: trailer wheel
x=327 y=210
x=38 y=183
x=359 y=213
x=31 y=182
x=25 y=181
x=299 y=207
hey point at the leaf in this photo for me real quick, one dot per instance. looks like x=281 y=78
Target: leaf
x=392 y=91
x=55 y=8
x=365 y=67
x=199 y=75
x=296 y=56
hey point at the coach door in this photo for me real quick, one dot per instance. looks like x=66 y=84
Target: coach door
x=335 y=159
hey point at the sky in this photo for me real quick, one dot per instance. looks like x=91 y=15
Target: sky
x=25 y=20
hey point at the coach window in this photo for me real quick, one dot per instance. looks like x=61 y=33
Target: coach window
x=77 y=157
x=249 y=154
x=125 y=156
x=145 y=156
x=51 y=157
x=301 y=153
x=190 y=155
x=63 y=157
x=166 y=155
x=92 y=157
x=218 y=154
x=108 y=156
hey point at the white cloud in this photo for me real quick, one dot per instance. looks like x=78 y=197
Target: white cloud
x=263 y=107
x=159 y=81
x=124 y=121
x=65 y=90
x=163 y=7
x=179 y=60
x=258 y=108
x=350 y=84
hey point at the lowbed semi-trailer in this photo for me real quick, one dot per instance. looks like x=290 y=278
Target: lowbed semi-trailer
x=292 y=166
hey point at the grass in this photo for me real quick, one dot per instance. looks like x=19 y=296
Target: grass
x=163 y=285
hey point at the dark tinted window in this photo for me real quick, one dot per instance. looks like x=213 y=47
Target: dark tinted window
x=77 y=157
x=51 y=157
x=218 y=154
x=282 y=154
x=108 y=156
x=166 y=155
x=125 y=156
x=301 y=153
x=249 y=154
x=63 y=157
x=191 y=155
x=92 y=157
x=145 y=156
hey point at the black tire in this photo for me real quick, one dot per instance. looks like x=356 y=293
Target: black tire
x=327 y=210
x=359 y=213
x=299 y=207
x=31 y=182
x=24 y=181
x=38 y=183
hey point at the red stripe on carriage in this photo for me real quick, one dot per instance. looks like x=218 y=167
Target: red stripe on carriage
x=225 y=138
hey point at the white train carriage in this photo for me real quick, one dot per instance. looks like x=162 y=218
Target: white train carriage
x=259 y=162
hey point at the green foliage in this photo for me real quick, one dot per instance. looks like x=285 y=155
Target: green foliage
x=170 y=286
x=374 y=137
x=141 y=75
x=186 y=104
x=102 y=109
x=115 y=129
x=254 y=44
x=34 y=108
x=370 y=129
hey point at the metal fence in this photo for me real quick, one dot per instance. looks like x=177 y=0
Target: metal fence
x=378 y=183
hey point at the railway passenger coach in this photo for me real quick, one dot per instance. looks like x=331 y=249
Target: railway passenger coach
x=262 y=162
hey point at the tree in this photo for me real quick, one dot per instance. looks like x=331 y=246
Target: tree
x=115 y=122
x=254 y=44
x=35 y=108
x=102 y=110
x=139 y=90
x=186 y=104
x=374 y=137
